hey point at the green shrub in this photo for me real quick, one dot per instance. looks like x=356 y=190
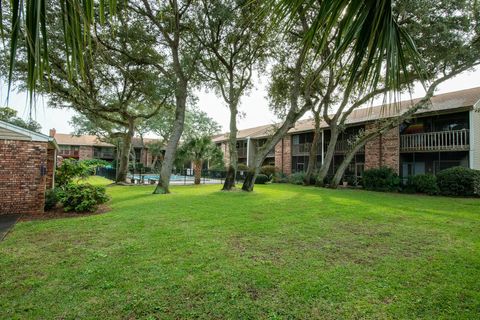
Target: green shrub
x=261 y=179
x=459 y=181
x=82 y=197
x=280 y=177
x=242 y=167
x=296 y=178
x=422 y=183
x=269 y=171
x=70 y=170
x=51 y=199
x=381 y=179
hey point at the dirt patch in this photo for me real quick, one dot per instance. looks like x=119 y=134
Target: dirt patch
x=58 y=213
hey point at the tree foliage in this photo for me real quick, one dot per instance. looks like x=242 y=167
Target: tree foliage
x=10 y=115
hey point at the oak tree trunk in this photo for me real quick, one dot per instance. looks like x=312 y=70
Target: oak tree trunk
x=125 y=153
x=327 y=161
x=312 y=158
x=163 y=186
x=230 y=178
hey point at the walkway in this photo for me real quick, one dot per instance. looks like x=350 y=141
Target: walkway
x=7 y=221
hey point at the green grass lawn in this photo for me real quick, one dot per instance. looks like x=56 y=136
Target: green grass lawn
x=281 y=252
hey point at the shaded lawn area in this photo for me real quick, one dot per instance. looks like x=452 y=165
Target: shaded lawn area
x=281 y=252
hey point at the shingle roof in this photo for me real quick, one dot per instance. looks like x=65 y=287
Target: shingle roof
x=85 y=140
x=90 y=140
x=442 y=102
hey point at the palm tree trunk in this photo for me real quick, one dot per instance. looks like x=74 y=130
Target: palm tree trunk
x=198 y=171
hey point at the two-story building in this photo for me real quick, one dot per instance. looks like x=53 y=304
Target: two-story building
x=445 y=135
x=91 y=147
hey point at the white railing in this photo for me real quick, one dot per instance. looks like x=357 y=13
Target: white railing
x=436 y=141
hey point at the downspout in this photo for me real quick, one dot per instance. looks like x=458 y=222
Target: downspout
x=471 y=125
x=323 y=142
x=248 y=151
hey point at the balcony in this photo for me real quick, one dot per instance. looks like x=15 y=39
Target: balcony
x=271 y=153
x=103 y=154
x=242 y=152
x=303 y=149
x=69 y=153
x=456 y=140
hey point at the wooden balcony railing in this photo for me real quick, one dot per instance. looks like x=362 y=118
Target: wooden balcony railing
x=69 y=153
x=456 y=140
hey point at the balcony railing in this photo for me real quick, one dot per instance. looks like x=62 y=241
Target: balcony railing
x=242 y=152
x=271 y=153
x=456 y=140
x=69 y=153
x=341 y=146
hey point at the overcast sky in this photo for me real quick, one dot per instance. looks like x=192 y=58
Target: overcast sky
x=254 y=107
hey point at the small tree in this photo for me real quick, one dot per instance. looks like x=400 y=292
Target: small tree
x=199 y=150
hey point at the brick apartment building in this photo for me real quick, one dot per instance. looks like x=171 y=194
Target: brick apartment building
x=446 y=135
x=91 y=147
x=27 y=164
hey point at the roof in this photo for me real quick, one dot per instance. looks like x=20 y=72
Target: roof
x=440 y=103
x=12 y=132
x=85 y=140
x=255 y=132
x=90 y=140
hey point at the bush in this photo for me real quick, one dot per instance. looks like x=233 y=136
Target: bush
x=298 y=177
x=51 y=199
x=381 y=179
x=459 y=181
x=82 y=197
x=261 y=179
x=422 y=183
x=70 y=170
x=242 y=167
x=268 y=170
x=280 y=177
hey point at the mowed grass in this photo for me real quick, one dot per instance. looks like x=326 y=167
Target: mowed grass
x=281 y=252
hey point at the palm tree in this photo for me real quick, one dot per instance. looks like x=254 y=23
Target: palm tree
x=199 y=150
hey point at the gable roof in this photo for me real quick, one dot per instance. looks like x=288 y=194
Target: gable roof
x=9 y=131
x=462 y=99
x=85 y=140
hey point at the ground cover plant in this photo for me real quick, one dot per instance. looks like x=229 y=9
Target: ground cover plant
x=281 y=252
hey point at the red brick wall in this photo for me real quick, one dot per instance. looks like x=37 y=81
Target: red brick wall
x=85 y=153
x=383 y=150
x=283 y=155
x=22 y=186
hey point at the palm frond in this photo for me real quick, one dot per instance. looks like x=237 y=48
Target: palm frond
x=29 y=18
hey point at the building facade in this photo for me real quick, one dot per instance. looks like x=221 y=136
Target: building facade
x=27 y=165
x=91 y=147
x=445 y=135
